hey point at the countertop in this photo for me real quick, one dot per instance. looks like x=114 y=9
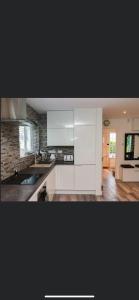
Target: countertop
x=22 y=193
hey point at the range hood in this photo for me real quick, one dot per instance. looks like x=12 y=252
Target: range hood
x=13 y=111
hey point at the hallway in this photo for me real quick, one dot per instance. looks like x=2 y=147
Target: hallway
x=116 y=190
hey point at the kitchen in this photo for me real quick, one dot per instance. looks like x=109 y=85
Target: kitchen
x=50 y=152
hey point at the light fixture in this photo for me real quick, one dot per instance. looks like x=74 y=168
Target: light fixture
x=124 y=112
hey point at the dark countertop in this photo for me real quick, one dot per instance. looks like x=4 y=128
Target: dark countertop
x=62 y=162
x=10 y=193
x=126 y=166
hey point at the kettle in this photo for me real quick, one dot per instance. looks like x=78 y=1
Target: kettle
x=52 y=156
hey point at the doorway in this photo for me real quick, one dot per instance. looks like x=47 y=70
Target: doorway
x=109 y=150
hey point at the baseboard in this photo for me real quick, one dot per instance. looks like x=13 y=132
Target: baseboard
x=75 y=192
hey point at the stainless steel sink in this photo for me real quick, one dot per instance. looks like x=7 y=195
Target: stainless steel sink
x=22 y=179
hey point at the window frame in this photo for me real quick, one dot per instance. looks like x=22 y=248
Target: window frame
x=25 y=133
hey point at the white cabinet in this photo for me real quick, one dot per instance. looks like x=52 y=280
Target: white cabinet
x=85 y=144
x=59 y=119
x=60 y=137
x=85 y=178
x=85 y=116
x=60 y=128
x=135 y=124
x=34 y=198
x=50 y=184
x=130 y=175
x=64 y=177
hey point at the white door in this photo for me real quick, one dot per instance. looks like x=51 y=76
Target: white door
x=85 y=178
x=59 y=119
x=135 y=124
x=85 y=116
x=106 y=139
x=64 y=177
x=60 y=137
x=85 y=144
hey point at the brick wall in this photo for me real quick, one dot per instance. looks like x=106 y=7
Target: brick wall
x=10 y=150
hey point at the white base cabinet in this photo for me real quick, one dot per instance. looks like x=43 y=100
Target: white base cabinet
x=50 y=184
x=85 y=179
x=130 y=175
x=64 y=177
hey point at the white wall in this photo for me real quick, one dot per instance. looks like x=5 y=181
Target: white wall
x=121 y=126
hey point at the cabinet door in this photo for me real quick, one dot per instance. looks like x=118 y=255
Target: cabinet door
x=64 y=177
x=85 y=178
x=85 y=116
x=60 y=137
x=59 y=119
x=85 y=144
x=34 y=198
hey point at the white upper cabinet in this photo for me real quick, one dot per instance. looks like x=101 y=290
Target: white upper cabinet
x=85 y=116
x=60 y=137
x=59 y=119
x=85 y=145
x=60 y=128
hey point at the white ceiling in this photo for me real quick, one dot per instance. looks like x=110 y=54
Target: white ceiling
x=112 y=107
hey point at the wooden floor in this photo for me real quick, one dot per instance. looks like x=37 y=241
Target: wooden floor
x=113 y=190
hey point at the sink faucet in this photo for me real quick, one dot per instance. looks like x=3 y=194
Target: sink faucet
x=35 y=158
x=15 y=168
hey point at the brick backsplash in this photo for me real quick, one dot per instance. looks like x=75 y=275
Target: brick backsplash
x=10 y=152
x=65 y=150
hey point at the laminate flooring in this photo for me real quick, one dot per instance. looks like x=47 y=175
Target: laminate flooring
x=113 y=190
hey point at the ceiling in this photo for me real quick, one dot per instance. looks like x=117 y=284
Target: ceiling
x=112 y=107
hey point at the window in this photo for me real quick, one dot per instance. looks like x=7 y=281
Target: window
x=129 y=144
x=112 y=145
x=25 y=140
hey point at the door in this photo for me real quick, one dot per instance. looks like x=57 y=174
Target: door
x=109 y=148
x=106 y=160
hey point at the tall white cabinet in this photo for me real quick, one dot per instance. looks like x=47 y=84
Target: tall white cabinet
x=85 y=144
x=85 y=178
x=81 y=128
x=88 y=150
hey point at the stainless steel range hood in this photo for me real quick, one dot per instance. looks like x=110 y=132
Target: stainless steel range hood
x=13 y=111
